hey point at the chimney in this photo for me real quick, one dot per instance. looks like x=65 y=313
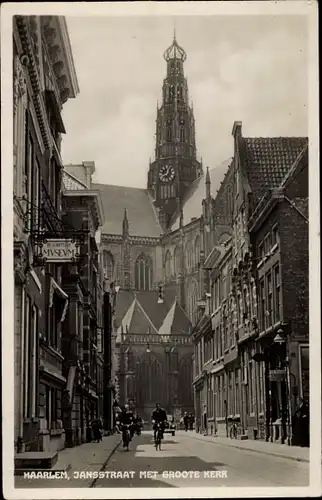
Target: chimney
x=237 y=129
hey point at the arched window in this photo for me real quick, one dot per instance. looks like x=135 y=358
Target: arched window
x=168 y=265
x=149 y=380
x=192 y=301
x=169 y=134
x=189 y=257
x=185 y=381
x=143 y=273
x=177 y=263
x=197 y=252
x=108 y=265
x=182 y=134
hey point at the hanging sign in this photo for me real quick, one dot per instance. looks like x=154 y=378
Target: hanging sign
x=58 y=250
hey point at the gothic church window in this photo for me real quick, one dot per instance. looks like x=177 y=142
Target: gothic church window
x=108 y=265
x=149 y=380
x=168 y=265
x=143 y=273
x=189 y=257
x=192 y=301
x=182 y=134
x=197 y=251
x=177 y=264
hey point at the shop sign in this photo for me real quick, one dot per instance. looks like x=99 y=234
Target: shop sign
x=277 y=375
x=58 y=250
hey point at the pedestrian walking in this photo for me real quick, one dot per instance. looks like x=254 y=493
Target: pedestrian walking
x=186 y=421
x=96 y=427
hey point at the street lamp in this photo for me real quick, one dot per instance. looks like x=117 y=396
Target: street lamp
x=280 y=340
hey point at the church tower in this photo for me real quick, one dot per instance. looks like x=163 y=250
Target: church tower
x=175 y=166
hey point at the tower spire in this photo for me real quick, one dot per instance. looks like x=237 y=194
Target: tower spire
x=125 y=224
x=208 y=184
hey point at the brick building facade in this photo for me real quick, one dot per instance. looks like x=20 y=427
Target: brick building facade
x=257 y=290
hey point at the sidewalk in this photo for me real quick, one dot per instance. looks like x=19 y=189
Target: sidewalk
x=85 y=457
x=278 y=450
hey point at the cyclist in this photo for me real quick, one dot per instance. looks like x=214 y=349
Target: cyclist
x=186 y=421
x=138 y=424
x=159 y=416
x=126 y=419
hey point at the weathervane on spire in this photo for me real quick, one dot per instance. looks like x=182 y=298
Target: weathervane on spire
x=175 y=51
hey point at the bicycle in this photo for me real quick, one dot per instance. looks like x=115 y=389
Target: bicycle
x=126 y=437
x=158 y=437
x=233 y=431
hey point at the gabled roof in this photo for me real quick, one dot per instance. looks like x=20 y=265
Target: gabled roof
x=142 y=217
x=139 y=312
x=175 y=321
x=302 y=204
x=192 y=203
x=268 y=160
x=71 y=183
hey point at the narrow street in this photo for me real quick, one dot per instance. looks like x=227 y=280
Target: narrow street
x=188 y=457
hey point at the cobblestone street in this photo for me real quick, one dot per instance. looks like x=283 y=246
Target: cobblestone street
x=186 y=460
x=233 y=466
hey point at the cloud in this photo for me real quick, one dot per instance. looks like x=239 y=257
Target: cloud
x=238 y=68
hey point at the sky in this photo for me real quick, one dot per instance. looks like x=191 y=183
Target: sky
x=248 y=68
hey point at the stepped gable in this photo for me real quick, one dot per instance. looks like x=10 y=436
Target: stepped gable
x=268 y=160
x=142 y=217
x=192 y=202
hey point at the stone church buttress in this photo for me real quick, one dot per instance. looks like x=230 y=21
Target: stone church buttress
x=175 y=166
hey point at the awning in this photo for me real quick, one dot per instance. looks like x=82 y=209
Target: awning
x=55 y=288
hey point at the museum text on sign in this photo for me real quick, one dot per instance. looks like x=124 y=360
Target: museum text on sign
x=59 y=250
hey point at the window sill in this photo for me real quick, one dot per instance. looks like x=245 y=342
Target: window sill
x=28 y=420
x=56 y=432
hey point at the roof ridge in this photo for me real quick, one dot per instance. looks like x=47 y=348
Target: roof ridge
x=170 y=314
x=294 y=166
x=130 y=311
x=147 y=317
x=279 y=137
x=119 y=186
x=74 y=178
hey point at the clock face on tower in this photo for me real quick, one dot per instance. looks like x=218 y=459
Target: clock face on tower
x=166 y=173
